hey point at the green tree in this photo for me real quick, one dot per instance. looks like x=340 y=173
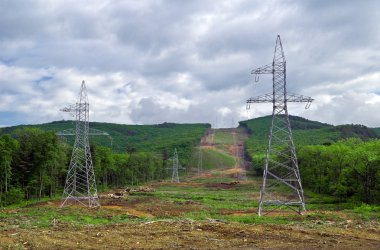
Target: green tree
x=8 y=148
x=40 y=162
x=104 y=166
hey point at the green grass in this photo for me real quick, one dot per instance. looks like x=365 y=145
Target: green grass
x=255 y=219
x=368 y=212
x=223 y=137
x=50 y=216
x=212 y=158
x=218 y=178
x=239 y=202
x=213 y=198
x=216 y=159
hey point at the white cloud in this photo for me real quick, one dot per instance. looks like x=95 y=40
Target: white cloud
x=156 y=61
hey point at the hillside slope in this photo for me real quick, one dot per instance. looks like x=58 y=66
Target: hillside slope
x=160 y=138
x=305 y=132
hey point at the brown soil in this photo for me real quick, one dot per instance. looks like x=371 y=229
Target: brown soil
x=235 y=172
x=179 y=184
x=190 y=235
x=146 y=207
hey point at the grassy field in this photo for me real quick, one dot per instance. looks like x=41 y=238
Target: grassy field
x=223 y=137
x=205 y=205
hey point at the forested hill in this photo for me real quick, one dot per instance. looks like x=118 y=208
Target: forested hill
x=306 y=132
x=377 y=130
x=129 y=138
x=339 y=161
x=34 y=161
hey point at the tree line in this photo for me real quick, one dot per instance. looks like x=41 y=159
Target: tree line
x=341 y=161
x=33 y=164
x=348 y=169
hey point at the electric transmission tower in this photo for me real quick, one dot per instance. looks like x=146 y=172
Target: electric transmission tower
x=175 y=167
x=281 y=178
x=80 y=185
x=175 y=177
x=200 y=160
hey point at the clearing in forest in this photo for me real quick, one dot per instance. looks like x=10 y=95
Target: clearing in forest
x=213 y=210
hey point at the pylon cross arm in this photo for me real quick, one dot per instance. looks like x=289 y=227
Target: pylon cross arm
x=300 y=98
x=91 y=131
x=268 y=98
x=266 y=69
x=70 y=108
x=66 y=132
x=261 y=99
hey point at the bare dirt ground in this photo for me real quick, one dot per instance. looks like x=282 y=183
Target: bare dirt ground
x=181 y=233
x=187 y=234
x=159 y=223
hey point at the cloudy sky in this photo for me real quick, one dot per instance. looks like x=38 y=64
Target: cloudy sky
x=154 y=61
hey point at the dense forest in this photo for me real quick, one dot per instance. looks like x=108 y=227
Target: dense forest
x=146 y=138
x=34 y=160
x=342 y=161
x=348 y=169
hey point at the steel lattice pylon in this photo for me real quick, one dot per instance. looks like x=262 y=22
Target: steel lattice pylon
x=80 y=185
x=175 y=177
x=281 y=178
x=200 y=160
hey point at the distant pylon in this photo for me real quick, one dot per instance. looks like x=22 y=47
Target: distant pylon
x=175 y=177
x=281 y=178
x=80 y=185
x=200 y=160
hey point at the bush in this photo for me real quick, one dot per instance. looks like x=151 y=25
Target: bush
x=367 y=211
x=14 y=195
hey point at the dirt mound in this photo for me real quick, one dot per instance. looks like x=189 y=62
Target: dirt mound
x=142 y=189
x=180 y=184
x=234 y=172
x=223 y=185
x=151 y=206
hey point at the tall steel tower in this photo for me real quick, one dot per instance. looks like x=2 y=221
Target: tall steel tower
x=281 y=178
x=80 y=185
x=175 y=177
x=200 y=160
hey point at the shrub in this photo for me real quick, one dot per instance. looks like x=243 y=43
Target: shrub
x=14 y=195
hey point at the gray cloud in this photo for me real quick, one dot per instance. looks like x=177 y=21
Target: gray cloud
x=186 y=61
